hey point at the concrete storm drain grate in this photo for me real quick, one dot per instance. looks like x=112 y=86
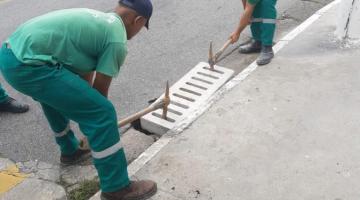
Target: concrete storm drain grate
x=186 y=95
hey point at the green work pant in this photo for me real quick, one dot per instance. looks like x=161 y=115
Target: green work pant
x=64 y=96
x=3 y=95
x=264 y=22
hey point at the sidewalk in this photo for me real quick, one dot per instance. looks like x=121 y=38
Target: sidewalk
x=289 y=131
x=39 y=180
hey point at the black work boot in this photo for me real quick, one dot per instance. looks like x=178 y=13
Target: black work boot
x=253 y=47
x=13 y=106
x=79 y=156
x=136 y=190
x=266 y=55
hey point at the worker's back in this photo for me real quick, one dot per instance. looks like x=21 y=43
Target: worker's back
x=74 y=37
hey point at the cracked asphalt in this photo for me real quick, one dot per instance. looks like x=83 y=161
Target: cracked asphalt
x=178 y=39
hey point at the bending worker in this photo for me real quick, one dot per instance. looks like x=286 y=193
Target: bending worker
x=262 y=16
x=51 y=58
x=9 y=104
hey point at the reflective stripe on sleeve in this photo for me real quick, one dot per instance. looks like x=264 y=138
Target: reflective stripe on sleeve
x=64 y=132
x=265 y=21
x=107 y=152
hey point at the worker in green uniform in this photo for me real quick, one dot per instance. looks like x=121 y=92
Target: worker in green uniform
x=9 y=104
x=53 y=57
x=261 y=14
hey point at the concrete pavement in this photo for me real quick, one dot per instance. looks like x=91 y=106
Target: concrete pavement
x=288 y=131
x=284 y=133
x=40 y=180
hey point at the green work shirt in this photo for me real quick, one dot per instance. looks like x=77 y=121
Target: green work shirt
x=83 y=40
x=253 y=2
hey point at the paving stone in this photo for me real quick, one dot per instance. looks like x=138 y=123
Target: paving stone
x=135 y=143
x=49 y=174
x=5 y=163
x=28 y=166
x=40 y=170
x=74 y=174
x=35 y=189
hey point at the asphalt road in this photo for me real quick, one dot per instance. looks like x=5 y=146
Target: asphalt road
x=179 y=35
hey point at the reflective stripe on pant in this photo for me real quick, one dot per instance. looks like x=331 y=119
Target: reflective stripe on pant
x=264 y=22
x=65 y=96
x=64 y=136
x=3 y=95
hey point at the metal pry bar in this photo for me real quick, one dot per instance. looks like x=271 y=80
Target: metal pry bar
x=166 y=101
x=214 y=59
x=211 y=56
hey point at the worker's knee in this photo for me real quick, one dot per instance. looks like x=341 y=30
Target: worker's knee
x=109 y=109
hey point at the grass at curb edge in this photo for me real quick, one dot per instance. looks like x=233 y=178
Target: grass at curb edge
x=85 y=190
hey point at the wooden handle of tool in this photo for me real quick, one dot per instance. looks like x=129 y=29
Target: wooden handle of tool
x=84 y=144
x=221 y=51
x=135 y=116
x=226 y=45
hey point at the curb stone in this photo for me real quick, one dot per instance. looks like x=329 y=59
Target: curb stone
x=135 y=143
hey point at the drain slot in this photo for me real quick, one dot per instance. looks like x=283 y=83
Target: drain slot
x=207 y=75
x=202 y=80
x=195 y=85
x=167 y=118
x=217 y=71
x=174 y=111
x=184 y=97
x=179 y=105
x=190 y=91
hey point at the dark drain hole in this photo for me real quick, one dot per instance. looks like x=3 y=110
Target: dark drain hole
x=202 y=80
x=207 y=75
x=197 y=86
x=217 y=71
x=174 y=111
x=184 y=97
x=190 y=91
x=179 y=105
x=167 y=119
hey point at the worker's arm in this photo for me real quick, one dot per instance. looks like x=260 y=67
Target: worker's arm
x=102 y=83
x=88 y=77
x=245 y=20
x=244 y=3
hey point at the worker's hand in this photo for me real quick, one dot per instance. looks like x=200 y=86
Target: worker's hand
x=234 y=37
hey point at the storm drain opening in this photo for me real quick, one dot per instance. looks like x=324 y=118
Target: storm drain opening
x=159 y=116
x=187 y=95
x=179 y=104
x=195 y=85
x=202 y=80
x=207 y=75
x=184 y=97
x=174 y=111
x=214 y=70
x=190 y=91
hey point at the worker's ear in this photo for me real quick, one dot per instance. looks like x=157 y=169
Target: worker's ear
x=140 y=20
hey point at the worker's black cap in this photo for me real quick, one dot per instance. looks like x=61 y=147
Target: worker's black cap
x=142 y=7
